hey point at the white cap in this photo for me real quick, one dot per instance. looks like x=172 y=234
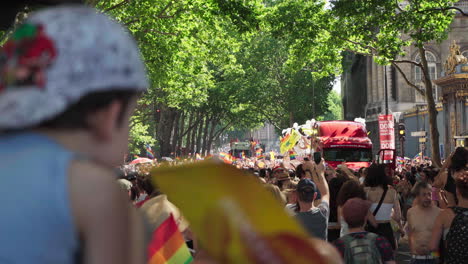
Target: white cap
x=60 y=55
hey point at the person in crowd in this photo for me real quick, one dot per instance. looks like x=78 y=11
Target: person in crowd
x=445 y=180
x=313 y=218
x=334 y=227
x=360 y=246
x=404 y=188
x=69 y=82
x=275 y=190
x=350 y=189
x=362 y=175
x=125 y=185
x=452 y=225
x=421 y=220
x=384 y=200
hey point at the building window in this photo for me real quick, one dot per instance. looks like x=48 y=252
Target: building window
x=418 y=75
x=465 y=53
x=431 y=63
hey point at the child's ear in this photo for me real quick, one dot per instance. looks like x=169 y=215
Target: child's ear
x=104 y=122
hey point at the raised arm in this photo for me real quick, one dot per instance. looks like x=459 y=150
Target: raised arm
x=321 y=182
x=350 y=175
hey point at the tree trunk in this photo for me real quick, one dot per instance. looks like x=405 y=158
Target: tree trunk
x=291 y=119
x=164 y=130
x=175 y=134
x=432 y=111
x=180 y=137
x=194 y=135
x=205 y=136
x=189 y=135
x=199 y=136
x=210 y=137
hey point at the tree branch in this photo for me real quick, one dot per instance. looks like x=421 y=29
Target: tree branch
x=360 y=44
x=408 y=61
x=217 y=134
x=160 y=32
x=445 y=9
x=407 y=80
x=116 y=6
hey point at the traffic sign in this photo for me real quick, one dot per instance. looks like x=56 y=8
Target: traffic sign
x=418 y=134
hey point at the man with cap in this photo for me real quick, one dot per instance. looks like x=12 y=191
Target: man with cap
x=313 y=218
x=69 y=81
x=360 y=246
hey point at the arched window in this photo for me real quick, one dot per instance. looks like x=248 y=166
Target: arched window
x=418 y=75
x=465 y=53
x=431 y=63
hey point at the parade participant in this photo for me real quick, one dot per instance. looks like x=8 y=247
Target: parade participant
x=421 y=220
x=384 y=199
x=69 y=80
x=334 y=227
x=446 y=178
x=350 y=189
x=362 y=174
x=453 y=225
x=313 y=218
x=360 y=246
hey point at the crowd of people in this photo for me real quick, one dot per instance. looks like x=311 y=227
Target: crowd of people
x=65 y=125
x=367 y=213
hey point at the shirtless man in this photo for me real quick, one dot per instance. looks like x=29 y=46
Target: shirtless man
x=421 y=219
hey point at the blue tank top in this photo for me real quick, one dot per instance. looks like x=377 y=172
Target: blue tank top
x=36 y=224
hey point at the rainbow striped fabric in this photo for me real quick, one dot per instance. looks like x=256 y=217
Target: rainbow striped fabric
x=292 y=155
x=168 y=246
x=149 y=151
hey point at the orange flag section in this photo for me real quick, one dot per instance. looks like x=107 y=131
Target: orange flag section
x=168 y=245
x=234 y=217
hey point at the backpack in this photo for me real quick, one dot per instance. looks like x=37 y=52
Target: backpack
x=361 y=250
x=457 y=236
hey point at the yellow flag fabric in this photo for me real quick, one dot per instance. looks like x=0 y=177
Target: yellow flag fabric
x=234 y=217
x=288 y=143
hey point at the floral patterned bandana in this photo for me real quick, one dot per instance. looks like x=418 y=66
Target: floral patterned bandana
x=60 y=55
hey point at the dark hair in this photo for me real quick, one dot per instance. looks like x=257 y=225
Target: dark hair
x=418 y=187
x=350 y=189
x=262 y=173
x=376 y=176
x=462 y=184
x=459 y=159
x=76 y=115
x=356 y=222
x=300 y=171
x=306 y=195
x=430 y=174
x=335 y=185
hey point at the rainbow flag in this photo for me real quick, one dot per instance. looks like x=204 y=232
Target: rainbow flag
x=261 y=157
x=400 y=160
x=292 y=155
x=167 y=245
x=289 y=141
x=258 y=152
x=149 y=151
x=418 y=157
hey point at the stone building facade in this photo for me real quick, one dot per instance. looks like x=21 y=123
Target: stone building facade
x=364 y=94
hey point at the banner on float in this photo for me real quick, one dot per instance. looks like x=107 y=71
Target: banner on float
x=387 y=134
x=235 y=218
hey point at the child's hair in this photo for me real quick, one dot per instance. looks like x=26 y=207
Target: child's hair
x=76 y=116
